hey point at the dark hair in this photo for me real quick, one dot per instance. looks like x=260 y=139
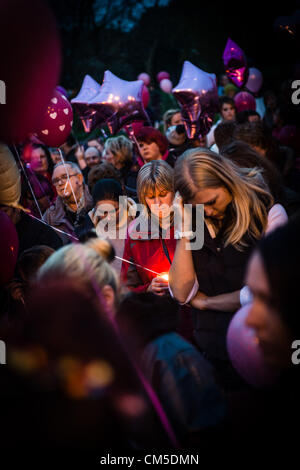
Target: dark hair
x=32 y=259
x=224 y=133
x=101 y=171
x=245 y=157
x=48 y=155
x=143 y=317
x=105 y=189
x=280 y=252
x=243 y=116
x=150 y=134
x=226 y=100
x=253 y=133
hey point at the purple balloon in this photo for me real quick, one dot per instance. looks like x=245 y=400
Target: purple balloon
x=255 y=80
x=88 y=90
x=245 y=353
x=235 y=63
x=197 y=95
x=118 y=103
x=244 y=101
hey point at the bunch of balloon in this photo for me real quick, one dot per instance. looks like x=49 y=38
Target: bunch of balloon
x=197 y=96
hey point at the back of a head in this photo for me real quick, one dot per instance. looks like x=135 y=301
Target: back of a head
x=102 y=171
x=253 y=133
x=245 y=156
x=80 y=262
x=143 y=317
x=32 y=259
x=224 y=133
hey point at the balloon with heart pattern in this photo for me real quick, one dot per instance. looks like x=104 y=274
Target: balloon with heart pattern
x=57 y=122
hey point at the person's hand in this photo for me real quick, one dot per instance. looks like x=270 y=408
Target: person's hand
x=183 y=215
x=158 y=286
x=79 y=154
x=200 y=301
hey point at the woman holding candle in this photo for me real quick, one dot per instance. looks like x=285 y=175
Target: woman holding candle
x=151 y=251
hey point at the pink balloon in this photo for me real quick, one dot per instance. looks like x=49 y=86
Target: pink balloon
x=30 y=60
x=166 y=85
x=197 y=95
x=145 y=96
x=145 y=77
x=161 y=75
x=9 y=247
x=244 y=101
x=56 y=123
x=245 y=353
x=118 y=103
x=255 y=80
x=235 y=63
x=89 y=89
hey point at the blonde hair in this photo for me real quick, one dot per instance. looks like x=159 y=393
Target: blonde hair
x=80 y=262
x=155 y=175
x=121 y=147
x=198 y=169
x=167 y=117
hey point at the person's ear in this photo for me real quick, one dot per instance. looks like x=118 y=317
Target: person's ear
x=80 y=178
x=109 y=297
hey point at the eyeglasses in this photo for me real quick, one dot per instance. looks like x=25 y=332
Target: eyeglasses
x=63 y=179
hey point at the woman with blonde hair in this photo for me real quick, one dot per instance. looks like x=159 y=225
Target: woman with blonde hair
x=237 y=213
x=151 y=252
x=85 y=265
x=119 y=152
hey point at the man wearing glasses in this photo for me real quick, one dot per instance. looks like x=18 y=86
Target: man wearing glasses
x=73 y=200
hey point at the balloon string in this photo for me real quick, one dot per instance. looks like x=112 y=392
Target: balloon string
x=68 y=180
x=75 y=238
x=29 y=184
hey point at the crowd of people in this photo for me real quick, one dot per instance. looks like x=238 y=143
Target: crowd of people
x=116 y=330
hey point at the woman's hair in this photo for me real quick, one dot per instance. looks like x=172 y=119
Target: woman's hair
x=246 y=157
x=149 y=135
x=80 y=262
x=167 y=117
x=155 y=175
x=32 y=259
x=101 y=171
x=198 y=169
x=122 y=148
x=48 y=156
x=103 y=247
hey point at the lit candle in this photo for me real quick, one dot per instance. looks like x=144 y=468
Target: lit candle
x=165 y=276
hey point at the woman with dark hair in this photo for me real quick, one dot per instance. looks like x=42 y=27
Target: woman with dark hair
x=227 y=114
x=153 y=145
x=39 y=158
